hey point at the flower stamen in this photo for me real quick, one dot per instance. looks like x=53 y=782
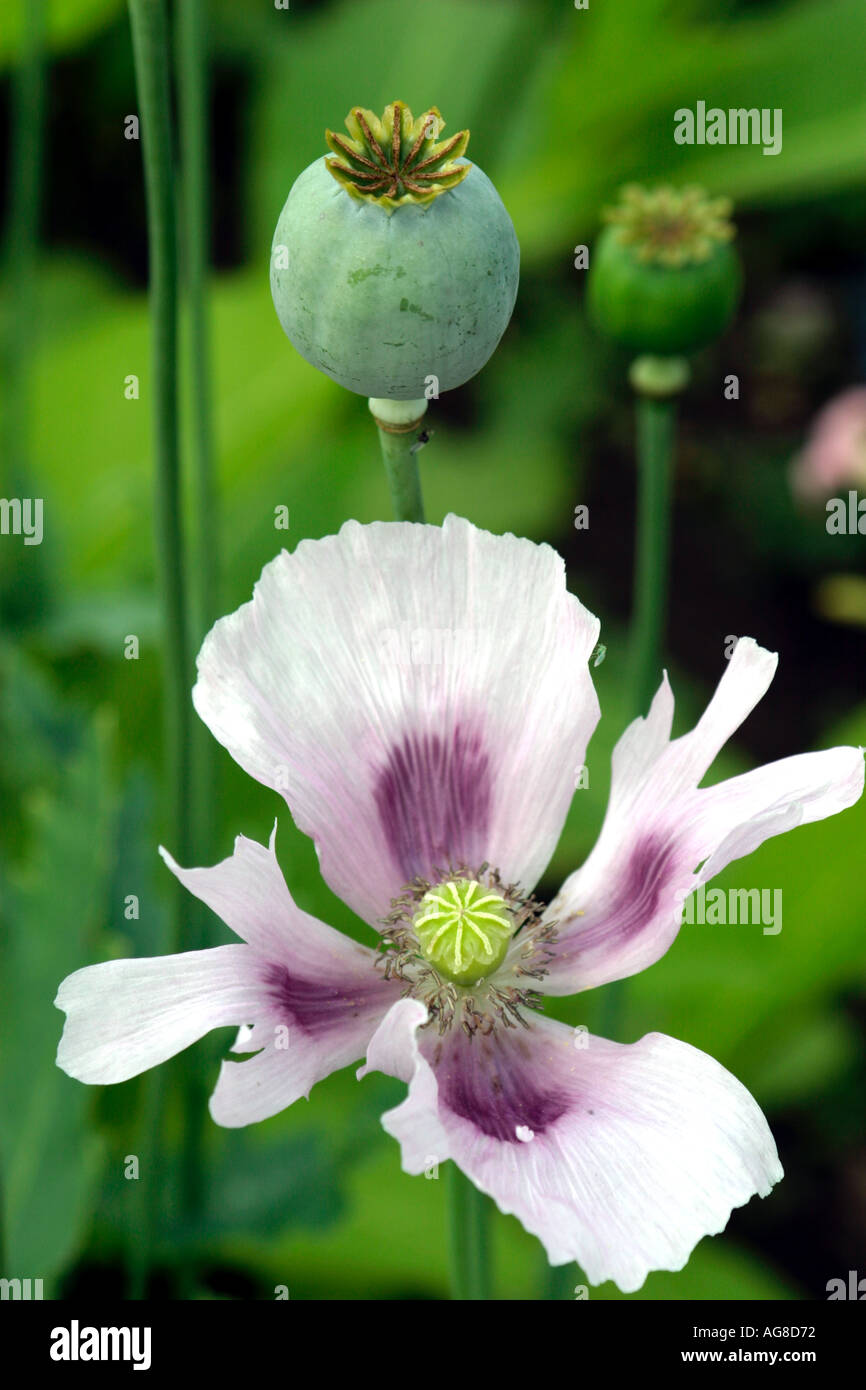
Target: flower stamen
x=461 y=943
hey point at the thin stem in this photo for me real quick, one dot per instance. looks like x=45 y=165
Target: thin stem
x=656 y=424
x=192 y=90
x=150 y=51
x=401 y=469
x=141 y=1236
x=469 y=1238
x=560 y=1281
x=192 y=93
x=22 y=587
x=22 y=233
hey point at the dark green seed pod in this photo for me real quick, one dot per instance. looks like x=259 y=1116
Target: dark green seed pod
x=664 y=278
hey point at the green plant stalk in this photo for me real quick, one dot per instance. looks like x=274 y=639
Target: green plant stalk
x=656 y=426
x=150 y=52
x=22 y=587
x=469 y=1238
x=656 y=430
x=559 y=1281
x=192 y=96
x=401 y=470
x=140 y=1236
x=150 y=48
x=22 y=234
x=21 y=253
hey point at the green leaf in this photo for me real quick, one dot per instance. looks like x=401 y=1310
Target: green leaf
x=69 y=24
x=618 y=110
x=260 y=1189
x=53 y=901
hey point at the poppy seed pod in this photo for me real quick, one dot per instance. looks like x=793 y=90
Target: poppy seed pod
x=394 y=266
x=664 y=278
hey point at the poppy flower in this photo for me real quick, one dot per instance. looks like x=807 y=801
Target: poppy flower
x=835 y=452
x=422 y=698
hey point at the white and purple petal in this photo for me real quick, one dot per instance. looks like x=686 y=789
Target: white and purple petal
x=125 y=1016
x=619 y=1157
x=306 y=998
x=419 y=694
x=664 y=835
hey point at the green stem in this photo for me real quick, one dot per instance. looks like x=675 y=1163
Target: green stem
x=397 y=423
x=192 y=92
x=401 y=469
x=192 y=89
x=469 y=1238
x=150 y=51
x=22 y=235
x=150 y=48
x=656 y=425
x=656 y=428
x=560 y=1281
x=141 y=1236
x=22 y=587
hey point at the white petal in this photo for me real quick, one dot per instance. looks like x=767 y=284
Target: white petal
x=305 y=998
x=321 y=999
x=620 y=1158
x=125 y=1016
x=419 y=694
x=249 y=893
x=663 y=835
x=291 y=1060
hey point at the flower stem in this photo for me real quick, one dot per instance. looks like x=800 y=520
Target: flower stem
x=656 y=425
x=397 y=423
x=560 y=1281
x=401 y=467
x=23 y=588
x=150 y=52
x=150 y=49
x=469 y=1238
x=21 y=250
x=140 y=1236
x=192 y=95
x=657 y=382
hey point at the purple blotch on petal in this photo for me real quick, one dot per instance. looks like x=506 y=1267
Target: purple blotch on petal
x=316 y=1005
x=433 y=798
x=645 y=877
x=492 y=1085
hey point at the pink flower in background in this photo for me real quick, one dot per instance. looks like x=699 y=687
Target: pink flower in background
x=421 y=696
x=834 y=454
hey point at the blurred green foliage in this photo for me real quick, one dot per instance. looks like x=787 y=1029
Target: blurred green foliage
x=70 y=23
x=50 y=1153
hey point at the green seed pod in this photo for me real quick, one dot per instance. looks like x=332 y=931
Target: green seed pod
x=663 y=276
x=394 y=266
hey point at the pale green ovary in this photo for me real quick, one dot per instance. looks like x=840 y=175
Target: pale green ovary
x=464 y=936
